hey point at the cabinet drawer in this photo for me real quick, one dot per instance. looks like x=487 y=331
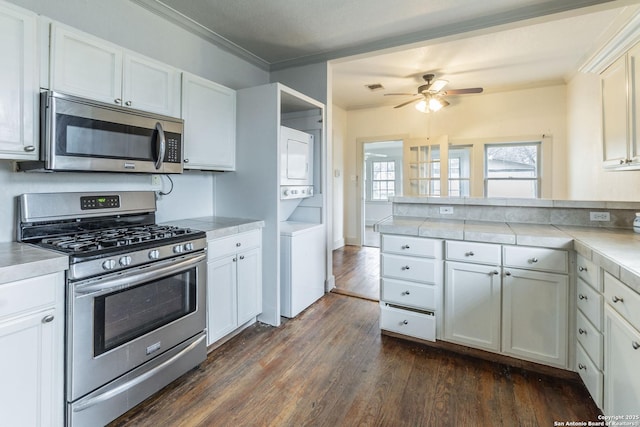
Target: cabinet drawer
x=414 y=246
x=591 y=376
x=411 y=268
x=590 y=338
x=483 y=253
x=589 y=272
x=223 y=246
x=624 y=300
x=590 y=302
x=405 y=322
x=29 y=294
x=542 y=259
x=409 y=294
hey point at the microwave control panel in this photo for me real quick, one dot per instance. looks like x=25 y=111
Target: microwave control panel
x=172 y=153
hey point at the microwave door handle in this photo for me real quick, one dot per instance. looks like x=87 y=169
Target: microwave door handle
x=162 y=145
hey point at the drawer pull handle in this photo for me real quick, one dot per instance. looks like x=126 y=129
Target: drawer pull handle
x=581 y=366
x=533 y=260
x=241 y=256
x=405 y=322
x=406 y=247
x=494 y=273
x=406 y=267
x=616 y=299
x=581 y=268
x=584 y=297
x=582 y=331
x=635 y=345
x=238 y=244
x=508 y=273
x=406 y=293
x=47 y=319
x=235 y=259
x=470 y=253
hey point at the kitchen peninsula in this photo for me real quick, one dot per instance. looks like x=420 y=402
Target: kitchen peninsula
x=552 y=282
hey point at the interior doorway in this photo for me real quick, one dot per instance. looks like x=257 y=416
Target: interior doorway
x=381 y=180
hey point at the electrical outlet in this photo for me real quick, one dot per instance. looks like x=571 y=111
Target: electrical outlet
x=599 y=216
x=446 y=210
x=156 y=182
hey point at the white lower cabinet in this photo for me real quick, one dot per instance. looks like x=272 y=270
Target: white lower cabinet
x=535 y=316
x=234 y=283
x=472 y=305
x=31 y=351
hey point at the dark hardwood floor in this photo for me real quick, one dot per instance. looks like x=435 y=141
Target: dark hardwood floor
x=330 y=366
x=357 y=271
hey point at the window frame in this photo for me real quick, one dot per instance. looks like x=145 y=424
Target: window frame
x=538 y=166
x=387 y=181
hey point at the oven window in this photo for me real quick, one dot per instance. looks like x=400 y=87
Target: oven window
x=122 y=316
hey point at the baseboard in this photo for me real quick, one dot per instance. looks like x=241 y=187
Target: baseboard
x=337 y=244
x=352 y=241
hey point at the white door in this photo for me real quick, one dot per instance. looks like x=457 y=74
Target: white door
x=209 y=112
x=18 y=84
x=472 y=305
x=221 y=298
x=85 y=66
x=535 y=315
x=622 y=362
x=249 y=284
x=28 y=370
x=150 y=86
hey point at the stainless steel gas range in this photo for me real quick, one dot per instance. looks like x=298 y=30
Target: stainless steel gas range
x=135 y=297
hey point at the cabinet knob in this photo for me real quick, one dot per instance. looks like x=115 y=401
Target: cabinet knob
x=47 y=319
x=118 y=101
x=405 y=247
x=404 y=322
x=186 y=160
x=580 y=296
x=533 y=260
x=238 y=244
x=582 y=331
x=635 y=345
x=470 y=253
x=128 y=103
x=29 y=148
x=235 y=259
x=241 y=256
x=616 y=299
x=581 y=268
x=622 y=161
x=508 y=273
x=406 y=267
x=581 y=366
x=406 y=293
x=494 y=273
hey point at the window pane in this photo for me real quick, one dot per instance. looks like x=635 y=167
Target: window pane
x=512 y=188
x=512 y=161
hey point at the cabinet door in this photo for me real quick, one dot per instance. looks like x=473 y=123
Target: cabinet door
x=85 y=66
x=28 y=370
x=249 y=285
x=535 y=316
x=633 y=64
x=614 y=114
x=209 y=113
x=221 y=298
x=18 y=84
x=472 y=305
x=150 y=85
x=622 y=358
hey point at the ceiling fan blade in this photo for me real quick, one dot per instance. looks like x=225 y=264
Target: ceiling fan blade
x=406 y=103
x=403 y=94
x=463 y=91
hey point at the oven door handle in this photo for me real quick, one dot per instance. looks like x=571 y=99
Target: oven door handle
x=125 y=281
x=137 y=380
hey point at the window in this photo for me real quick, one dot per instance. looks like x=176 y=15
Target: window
x=424 y=170
x=512 y=170
x=383 y=180
x=459 y=171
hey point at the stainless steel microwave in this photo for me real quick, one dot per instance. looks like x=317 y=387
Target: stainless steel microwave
x=77 y=134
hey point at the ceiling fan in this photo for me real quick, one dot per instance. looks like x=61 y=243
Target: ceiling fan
x=430 y=96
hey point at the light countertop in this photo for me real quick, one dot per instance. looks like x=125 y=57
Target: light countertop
x=219 y=226
x=20 y=261
x=617 y=251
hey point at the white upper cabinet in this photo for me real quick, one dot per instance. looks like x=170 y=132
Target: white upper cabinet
x=209 y=113
x=89 y=67
x=18 y=84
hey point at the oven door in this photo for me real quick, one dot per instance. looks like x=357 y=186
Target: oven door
x=120 y=321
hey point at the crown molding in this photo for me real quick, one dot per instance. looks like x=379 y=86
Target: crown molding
x=192 y=26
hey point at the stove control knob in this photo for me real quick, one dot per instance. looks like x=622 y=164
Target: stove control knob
x=178 y=249
x=125 y=260
x=154 y=254
x=108 y=264
x=188 y=246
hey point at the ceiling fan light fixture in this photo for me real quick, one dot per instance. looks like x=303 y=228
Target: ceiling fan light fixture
x=422 y=106
x=435 y=104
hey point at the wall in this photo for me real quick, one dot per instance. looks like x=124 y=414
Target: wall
x=338 y=133
x=133 y=27
x=586 y=178
x=490 y=115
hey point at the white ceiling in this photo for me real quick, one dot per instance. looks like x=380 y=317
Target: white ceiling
x=495 y=44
